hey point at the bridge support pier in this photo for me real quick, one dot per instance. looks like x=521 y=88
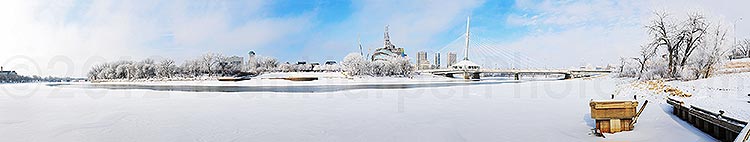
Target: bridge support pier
x=474 y=75
x=450 y=75
x=568 y=76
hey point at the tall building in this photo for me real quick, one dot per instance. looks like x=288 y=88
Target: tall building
x=388 y=50
x=422 y=62
x=451 y=58
x=437 y=60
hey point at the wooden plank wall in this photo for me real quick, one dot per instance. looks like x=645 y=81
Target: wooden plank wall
x=723 y=128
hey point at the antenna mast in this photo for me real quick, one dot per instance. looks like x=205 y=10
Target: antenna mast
x=466 y=52
x=360 y=46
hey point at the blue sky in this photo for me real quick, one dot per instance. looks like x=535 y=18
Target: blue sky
x=66 y=37
x=329 y=16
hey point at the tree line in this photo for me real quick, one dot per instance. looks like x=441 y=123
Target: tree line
x=205 y=66
x=12 y=78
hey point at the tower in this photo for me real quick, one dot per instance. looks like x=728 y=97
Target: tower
x=387 y=39
x=388 y=51
x=360 y=46
x=466 y=52
x=437 y=60
x=250 y=56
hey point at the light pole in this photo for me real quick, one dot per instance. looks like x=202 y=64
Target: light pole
x=734 y=30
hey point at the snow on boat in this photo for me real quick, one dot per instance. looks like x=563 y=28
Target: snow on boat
x=744 y=135
x=614 y=116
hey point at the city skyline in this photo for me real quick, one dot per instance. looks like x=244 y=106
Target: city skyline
x=64 y=38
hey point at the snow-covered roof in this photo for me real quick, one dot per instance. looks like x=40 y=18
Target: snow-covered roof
x=465 y=63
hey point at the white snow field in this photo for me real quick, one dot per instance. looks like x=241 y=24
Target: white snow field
x=728 y=92
x=527 y=111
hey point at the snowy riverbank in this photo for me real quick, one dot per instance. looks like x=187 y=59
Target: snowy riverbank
x=323 y=79
x=272 y=79
x=528 y=111
x=728 y=92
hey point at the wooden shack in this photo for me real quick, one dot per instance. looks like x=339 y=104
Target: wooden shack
x=613 y=116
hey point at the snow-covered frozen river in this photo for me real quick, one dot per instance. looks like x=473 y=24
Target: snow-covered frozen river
x=284 y=89
x=526 y=111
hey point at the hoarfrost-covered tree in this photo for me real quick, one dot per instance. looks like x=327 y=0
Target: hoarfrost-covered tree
x=742 y=49
x=166 y=69
x=93 y=74
x=191 y=68
x=304 y=67
x=676 y=43
x=225 y=66
x=145 y=69
x=621 y=67
x=327 y=68
x=355 y=64
x=286 y=67
x=627 y=68
x=378 y=68
x=263 y=64
x=694 y=35
x=401 y=66
x=712 y=54
x=207 y=61
x=646 y=54
x=665 y=33
x=205 y=65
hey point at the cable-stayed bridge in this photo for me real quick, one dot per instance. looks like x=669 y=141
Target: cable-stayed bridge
x=485 y=55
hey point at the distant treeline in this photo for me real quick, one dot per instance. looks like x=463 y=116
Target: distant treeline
x=207 y=65
x=26 y=79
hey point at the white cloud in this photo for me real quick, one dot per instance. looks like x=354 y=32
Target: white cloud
x=48 y=32
x=569 y=33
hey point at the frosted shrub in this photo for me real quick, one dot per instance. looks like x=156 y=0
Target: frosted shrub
x=262 y=64
x=355 y=64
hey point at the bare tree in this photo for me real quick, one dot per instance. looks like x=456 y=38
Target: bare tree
x=166 y=68
x=664 y=33
x=622 y=64
x=191 y=68
x=263 y=64
x=626 y=68
x=647 y=52
x=742 y=49
x=207 y=61
x=714 y=53
x=693 y=34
